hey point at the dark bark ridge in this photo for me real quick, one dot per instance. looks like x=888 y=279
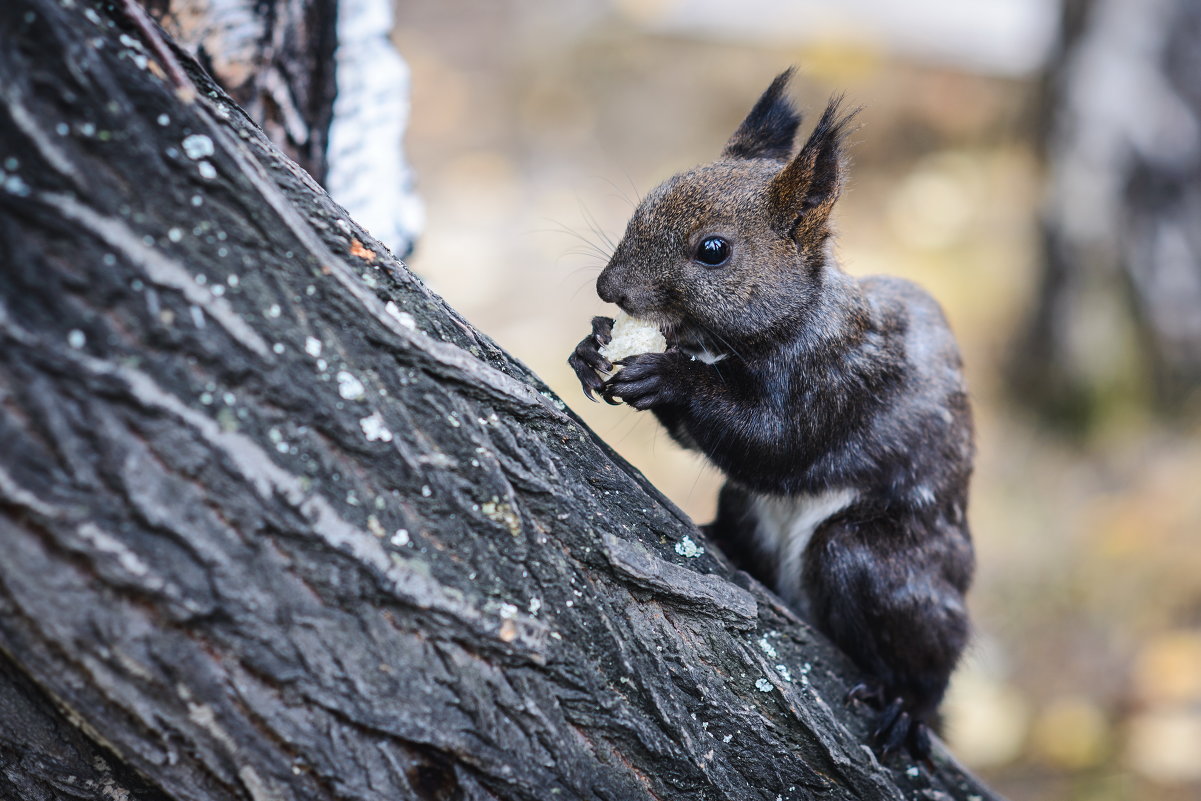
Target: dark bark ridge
x=277 y=523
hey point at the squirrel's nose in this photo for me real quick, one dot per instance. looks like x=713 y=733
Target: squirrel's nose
x=608 y=290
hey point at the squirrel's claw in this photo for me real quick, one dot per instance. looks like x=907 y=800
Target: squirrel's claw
x=639 y=394
x=892 y=729
x=897 y=729
x=919 y=741
x=866 y=693
x=644 y=381
x=589 y=380
x=586 y=360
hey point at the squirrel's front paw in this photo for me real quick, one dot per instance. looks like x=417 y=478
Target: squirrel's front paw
x=587 y=360
x=645 y=380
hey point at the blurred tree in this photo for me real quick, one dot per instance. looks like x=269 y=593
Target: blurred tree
x=1119 y=306
x=275 y=58
x=324 y=82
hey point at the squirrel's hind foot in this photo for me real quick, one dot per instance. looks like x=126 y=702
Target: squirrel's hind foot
x=895 y=728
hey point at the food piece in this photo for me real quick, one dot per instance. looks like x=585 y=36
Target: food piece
x=632 y=336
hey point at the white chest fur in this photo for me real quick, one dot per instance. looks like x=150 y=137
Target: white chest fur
x=784 y=526
x=703 y=354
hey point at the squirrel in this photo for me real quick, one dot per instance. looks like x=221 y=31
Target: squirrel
x=835 y=406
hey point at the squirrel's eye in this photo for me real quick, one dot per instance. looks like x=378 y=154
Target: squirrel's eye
x=712 y=251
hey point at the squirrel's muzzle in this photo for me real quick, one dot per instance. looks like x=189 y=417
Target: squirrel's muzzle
x=617 y=284
x=609 y=289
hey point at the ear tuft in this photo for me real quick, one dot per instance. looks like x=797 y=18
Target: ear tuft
x=768 y=131
x=803 y=193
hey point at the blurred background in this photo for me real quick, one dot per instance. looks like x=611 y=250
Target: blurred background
x=1034 y=165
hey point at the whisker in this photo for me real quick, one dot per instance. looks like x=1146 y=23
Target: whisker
x=633 y=188
x=706 y=330
x=727 y=344
x=590 y=247
x=561 y=228
x=618 y=435
x=590 y=252
x=701 y=468
x=595 y=226
x=621 y=193
x=579 y=288
x=587 y=268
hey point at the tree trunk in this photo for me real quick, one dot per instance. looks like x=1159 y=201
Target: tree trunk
x=275 y=58
x=337 y=108
x=1116 y=314
x=278 y=524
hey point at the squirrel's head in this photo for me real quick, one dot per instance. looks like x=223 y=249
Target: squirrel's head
x=735 y=250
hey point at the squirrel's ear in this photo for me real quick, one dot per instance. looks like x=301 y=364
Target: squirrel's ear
x=768 y=131
x=803 y=193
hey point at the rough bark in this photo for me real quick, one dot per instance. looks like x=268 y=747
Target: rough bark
x=1116 y=312
x=277 y=523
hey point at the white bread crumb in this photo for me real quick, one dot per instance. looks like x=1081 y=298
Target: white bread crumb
x=632 y=336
